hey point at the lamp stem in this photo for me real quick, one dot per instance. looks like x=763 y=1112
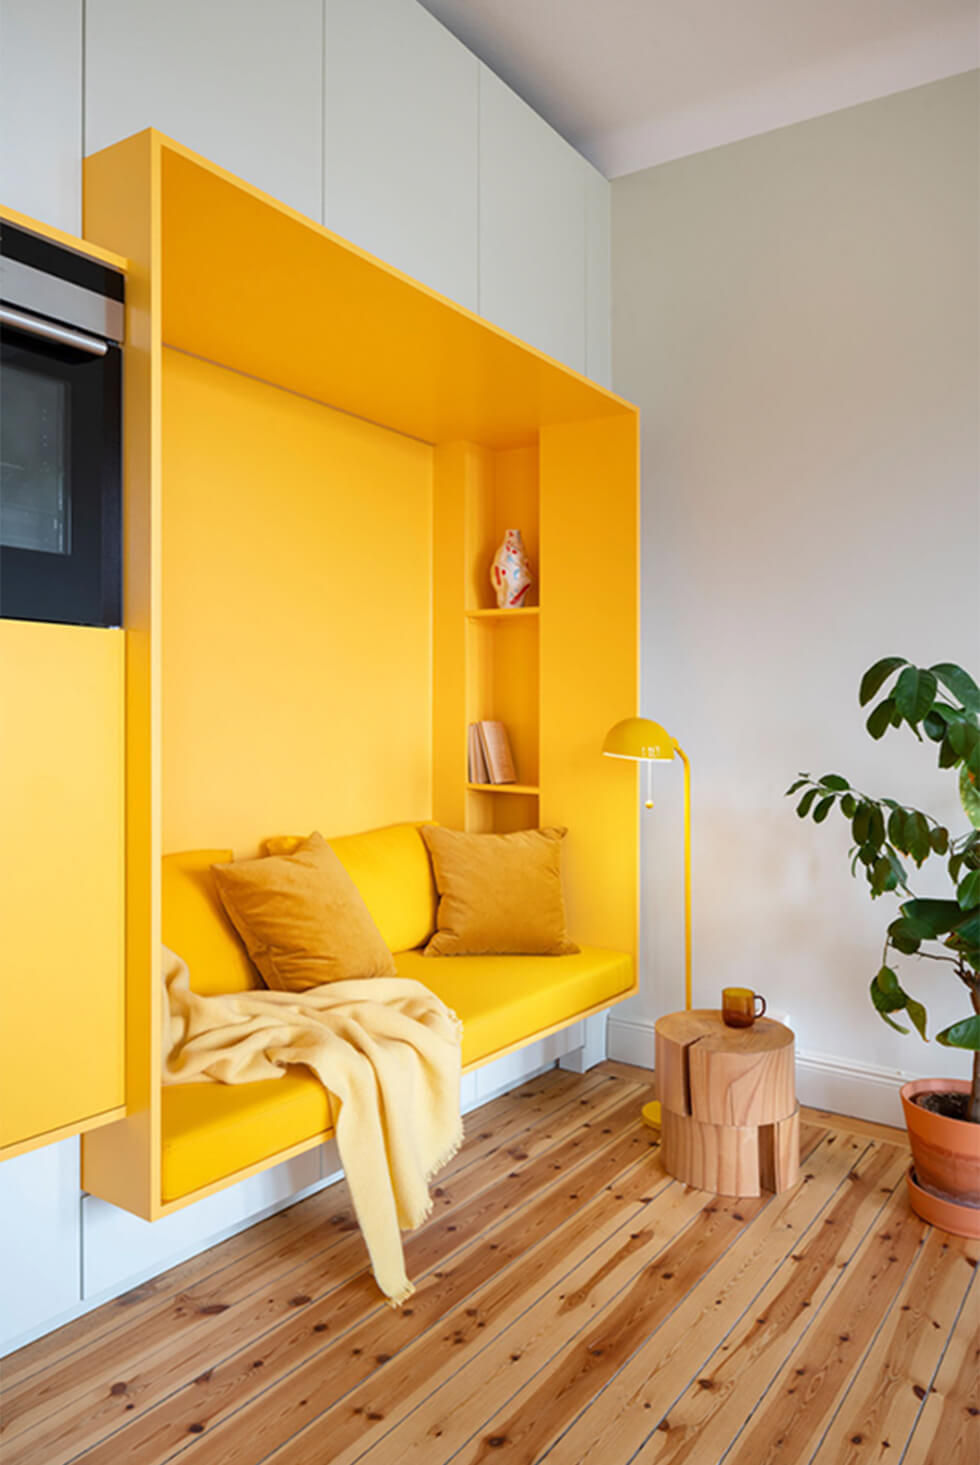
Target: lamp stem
x=687 y=876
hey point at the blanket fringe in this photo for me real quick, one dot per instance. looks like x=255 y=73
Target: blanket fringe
x=399 y=1297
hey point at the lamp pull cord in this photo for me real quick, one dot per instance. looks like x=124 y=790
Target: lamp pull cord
x=687 y=876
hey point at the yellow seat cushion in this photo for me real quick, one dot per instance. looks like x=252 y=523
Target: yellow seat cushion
x=211 y=1130
x=391 y=869
x=507 y=999
x=195 y=925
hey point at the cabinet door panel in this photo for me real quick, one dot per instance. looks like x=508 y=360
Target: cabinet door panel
x=401 y=141
x=61 y=876
x=41 y=110
x=39 y=1240
x=532 y=226
x=240 y=81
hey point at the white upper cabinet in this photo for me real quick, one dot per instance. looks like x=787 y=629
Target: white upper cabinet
x=532 y=226
x=598 y=276
x=401 y=141
x=240 y=81
x=41 y=110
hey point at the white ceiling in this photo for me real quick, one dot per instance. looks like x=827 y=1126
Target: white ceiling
x=635 y=82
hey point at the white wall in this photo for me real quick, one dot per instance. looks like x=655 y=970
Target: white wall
x=796 y=316
x=365 y=115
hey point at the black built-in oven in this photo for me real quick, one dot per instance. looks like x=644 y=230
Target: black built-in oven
x=61 y=330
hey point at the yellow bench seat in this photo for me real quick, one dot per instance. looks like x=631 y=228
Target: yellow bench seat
x=211 y=1131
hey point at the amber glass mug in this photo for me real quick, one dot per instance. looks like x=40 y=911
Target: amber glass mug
x=738 y=1007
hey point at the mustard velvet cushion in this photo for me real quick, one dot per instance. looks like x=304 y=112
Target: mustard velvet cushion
x=391 y=869
x=499 y=894
x=302 y=919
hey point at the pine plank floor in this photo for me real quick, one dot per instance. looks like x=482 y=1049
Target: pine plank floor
x=574 y=1304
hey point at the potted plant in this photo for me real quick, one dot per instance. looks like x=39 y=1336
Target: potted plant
x=940 y=703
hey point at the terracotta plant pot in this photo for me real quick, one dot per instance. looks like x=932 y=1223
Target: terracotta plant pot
x=944 y=1184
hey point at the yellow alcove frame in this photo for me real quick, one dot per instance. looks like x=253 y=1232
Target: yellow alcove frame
x=225 y=273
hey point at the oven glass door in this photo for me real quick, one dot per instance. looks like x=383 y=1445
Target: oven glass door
x=59 y=482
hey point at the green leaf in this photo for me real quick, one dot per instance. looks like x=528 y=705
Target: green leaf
x=876 y=830
x=965 y=1034
x=947 y=753
x=823 y=809
x=932 y=918
x=803 y=807
x=888 y=996
x=896 y=829
x=861 y=823
x=918 y=843
x=903 y=937
x=882 y=875
x=939 y=839
x=796 y=786
x=967 y=931
x=834 y=781
x=880 y=718
x=934 y=726
x=886 y=990
x=876 y=676
x=897 y=867
x=917 y=1013
x=914 y=693
x=970 y=795
x=965 y=740
x=959 y=683
x=968 y=890
x=848 y=804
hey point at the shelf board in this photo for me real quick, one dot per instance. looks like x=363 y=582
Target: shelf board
x=518 y=613
x=504 y=788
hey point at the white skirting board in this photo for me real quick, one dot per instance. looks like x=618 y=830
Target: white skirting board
x=90 y=1251
x=823 y=1081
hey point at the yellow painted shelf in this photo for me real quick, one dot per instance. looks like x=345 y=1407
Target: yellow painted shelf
x=520 y=613
x=504 y=788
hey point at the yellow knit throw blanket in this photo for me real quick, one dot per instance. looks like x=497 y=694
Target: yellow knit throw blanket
x=388 y=1052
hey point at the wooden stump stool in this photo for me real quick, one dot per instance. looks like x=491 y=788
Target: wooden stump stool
x=730 y=1120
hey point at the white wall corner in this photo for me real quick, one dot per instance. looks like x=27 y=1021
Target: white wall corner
x=941 y=50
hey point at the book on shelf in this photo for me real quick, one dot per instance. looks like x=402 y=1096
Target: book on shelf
x=495 y=750
x=477 y=771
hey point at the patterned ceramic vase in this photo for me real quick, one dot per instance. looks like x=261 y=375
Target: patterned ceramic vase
x=510 y=573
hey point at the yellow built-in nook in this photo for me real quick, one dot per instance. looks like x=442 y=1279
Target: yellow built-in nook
x=321 y=457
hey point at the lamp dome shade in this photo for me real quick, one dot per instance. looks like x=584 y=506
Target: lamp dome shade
x=638 y=737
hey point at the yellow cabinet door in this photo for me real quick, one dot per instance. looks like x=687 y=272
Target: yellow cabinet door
x=61 y=880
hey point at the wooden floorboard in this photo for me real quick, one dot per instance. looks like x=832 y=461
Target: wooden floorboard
x=574 y=1304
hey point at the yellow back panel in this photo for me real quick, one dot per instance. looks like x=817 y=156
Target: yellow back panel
x=196 y=927
x=296 y=615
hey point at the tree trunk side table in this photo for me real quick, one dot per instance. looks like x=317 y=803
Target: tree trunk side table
x=730 y=1120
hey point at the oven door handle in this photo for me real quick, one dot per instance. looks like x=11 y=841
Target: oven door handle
x=32 y=325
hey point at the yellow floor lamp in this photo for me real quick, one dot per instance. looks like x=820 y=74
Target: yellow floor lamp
x=648 y=742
